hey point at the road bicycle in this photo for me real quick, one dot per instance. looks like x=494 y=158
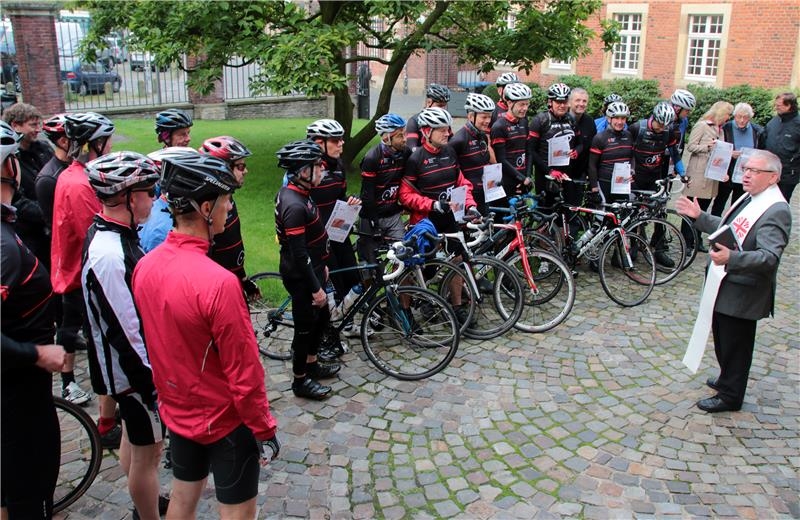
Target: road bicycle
x=81 y=453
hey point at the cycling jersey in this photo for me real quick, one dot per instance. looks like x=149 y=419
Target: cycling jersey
x=500 y=108
x=609 y=147
x=74 y=207
x=228 y=248
x=648 y=150
x=302 y=236
x=118 y=362
x=413 y=134
x=509 y=137
x=544 y=126
x=381 y=171
x=201 y=345
x=431 y=173
x=30 y=224
x=472 y=152
x=46 y=187
x=332 y=187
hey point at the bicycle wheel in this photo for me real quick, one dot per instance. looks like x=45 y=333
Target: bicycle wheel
x=495 y=313
x=627 y=269
x=537 y=240
x=678 y=220
x=81 y=453
x=667 y=243
x=413 y=342
x=548 y=296
x=272 y=317
x=443 y=278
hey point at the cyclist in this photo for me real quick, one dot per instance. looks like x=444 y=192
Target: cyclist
x=118 y=362
x=202 y=348
x=431 y=173
x=585 y=131
x=30 y=451
x=381 y=172
x=53 y=129
x=471 y=144
x=501 y=108
x=435 y=96
x=228 y=247
x=509 y=139
x=556 y=121
x=304 y=252
x=601 y=123
x=612 y=146
x=683 y=102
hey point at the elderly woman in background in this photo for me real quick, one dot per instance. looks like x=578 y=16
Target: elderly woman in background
x=698 y=150
x=743 y=134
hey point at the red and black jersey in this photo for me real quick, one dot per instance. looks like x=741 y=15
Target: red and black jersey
x=413 y=134
x=648 y=149
x=509 y=137
x=472 y=152
x=302 y=236
x=381 y=172
x=228 y=248
x=608 y=148
x=500 y=108
x=333 y=187
x=545 y=126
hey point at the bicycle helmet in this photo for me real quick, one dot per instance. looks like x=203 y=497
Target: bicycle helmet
x=506 y=78
x=324 y=128
x=618 y=109
x=438 y=93
x=9 y=141
x=517 y=92
x=663 y=113
x=479 y=103
x=388 y=123
x=159 y=155
x=611 y=98
x=172 y=119
x=53 y=128
x=683 y=98
x=434 y=117
x=87 y=126
x=296 y=155
x=558 y=92
x=193 y=177
x=119 y=172
x=226 y=148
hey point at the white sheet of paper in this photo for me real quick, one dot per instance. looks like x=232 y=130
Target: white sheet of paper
x=493 y=182
x=738 y=168
x=342 y=219
x=458 y=197
x=717 y=165
x=621 y=179
x=558 y=151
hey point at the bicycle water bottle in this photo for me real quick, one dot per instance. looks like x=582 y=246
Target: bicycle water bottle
x=351 y=297
x=330 y=294
x=585 y=238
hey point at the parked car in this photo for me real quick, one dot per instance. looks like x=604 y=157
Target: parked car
x=8 y=57
x=139 y=60
x=85 y=78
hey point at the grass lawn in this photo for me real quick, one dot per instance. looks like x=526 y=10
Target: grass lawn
x=256 y=199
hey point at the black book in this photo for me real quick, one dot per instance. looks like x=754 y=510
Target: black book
x=726 y=237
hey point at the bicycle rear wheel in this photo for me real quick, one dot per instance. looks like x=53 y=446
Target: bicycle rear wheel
x=550 y=300
x=272 y=317
x=414 y=342
x=681 y=222
x=439 y=277
x=81 y=454
x=496 y=312
x=627 y=269
x=667 y=243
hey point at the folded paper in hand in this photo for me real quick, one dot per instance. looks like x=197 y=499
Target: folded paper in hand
x=726 y=237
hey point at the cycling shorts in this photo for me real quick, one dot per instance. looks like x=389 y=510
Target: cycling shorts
x=142 y=422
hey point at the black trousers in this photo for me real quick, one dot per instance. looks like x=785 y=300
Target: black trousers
x=688 y=232
x=787 y=190
x=310 y=323
x=734 y=340
x=726 y=189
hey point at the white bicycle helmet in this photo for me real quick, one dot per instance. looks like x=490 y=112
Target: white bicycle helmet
x=479 y=103
x=506 y=78
x=434 y=117
x=558 y=92
x=684 y=99
x=611 y=98
x=517 y=92
x=618 y=109
x=9 y=141
x=664 y=113
x=119 y=172
x=324 y=128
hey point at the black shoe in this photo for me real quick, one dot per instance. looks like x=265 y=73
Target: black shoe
x=328 y=354
x=311 y=389
x=662 y=259
x=717 y=404
x=462 y=313
x=485 y=286
x=112 y=438
x=323 y=370
x=163 y=505
x=712 y=383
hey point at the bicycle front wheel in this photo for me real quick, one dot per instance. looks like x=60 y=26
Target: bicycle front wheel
x=627 y=269
x=549 y=293
x=498 y=311
x=683 y=222
x=667 y=243
x=272 y=318
x=81 y=454
x=418 y=336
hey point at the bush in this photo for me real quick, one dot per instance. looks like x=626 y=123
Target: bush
x=641 y=95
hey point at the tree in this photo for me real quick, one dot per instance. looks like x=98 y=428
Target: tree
x=307 y=46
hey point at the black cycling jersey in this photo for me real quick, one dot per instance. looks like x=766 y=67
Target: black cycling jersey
x=586 y=131
x=333 y=187
x=302 y=236
x=649 y=149
x=30 y=224
x=472 y=151
x=381 y=172
x=500 y=108
x=433 y=173
x=545 y=126
x=413 y=133
x=228 y=248
x=608 y=148
x=46 y=187
x=510 y=137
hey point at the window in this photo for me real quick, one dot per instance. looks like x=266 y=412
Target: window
x=704 y=45
x=560 y=65
x=625 y=57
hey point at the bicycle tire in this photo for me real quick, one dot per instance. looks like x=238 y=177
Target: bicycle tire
x=627 y=286
x=405 y=351
x=496 y=315
x=677 y=220
x=671 y=244
x=540 y=241
x=81 y=454
x=439 y=275
x=551 y=302
x=271 y=316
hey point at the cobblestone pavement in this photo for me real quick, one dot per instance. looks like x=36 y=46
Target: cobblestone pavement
x=595 y=419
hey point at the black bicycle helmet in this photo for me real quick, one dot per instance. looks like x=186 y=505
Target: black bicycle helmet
x=438 y=93
x=193 y=177
x=87 y=126
x=296 y=155
x=226 y=148
x=119 y=172
x=170 y=120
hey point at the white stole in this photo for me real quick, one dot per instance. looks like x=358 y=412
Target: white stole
x=741 y=225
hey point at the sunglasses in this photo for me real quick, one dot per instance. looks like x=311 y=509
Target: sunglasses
x=240 y=166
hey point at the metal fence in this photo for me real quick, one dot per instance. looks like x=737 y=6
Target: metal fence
x=236 y=80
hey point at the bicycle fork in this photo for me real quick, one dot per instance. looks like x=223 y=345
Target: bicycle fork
x=624 y=247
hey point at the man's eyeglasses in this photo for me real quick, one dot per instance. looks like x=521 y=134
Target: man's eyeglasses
x=335 y=140
x=151 y=192
x=756 y=170
x=240 y=166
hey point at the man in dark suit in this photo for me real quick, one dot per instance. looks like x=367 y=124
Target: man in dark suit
x=745 y=279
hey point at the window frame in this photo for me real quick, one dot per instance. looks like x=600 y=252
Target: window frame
x=609 y=71
x=682 y=77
